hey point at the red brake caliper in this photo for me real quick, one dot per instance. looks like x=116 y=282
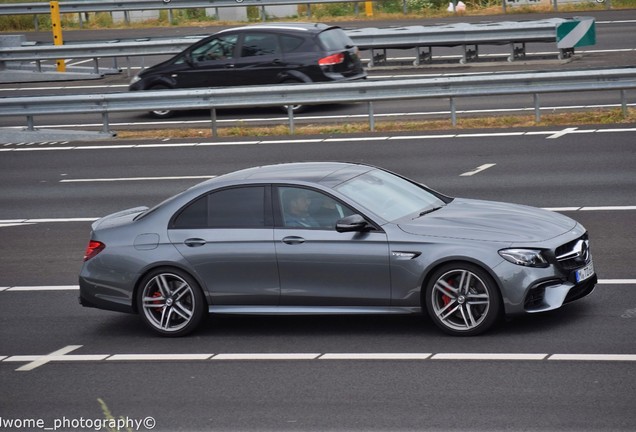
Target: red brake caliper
x=157 y=302
x=446 y=299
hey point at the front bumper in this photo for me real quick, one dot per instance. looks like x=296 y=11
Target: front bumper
x=551 y=295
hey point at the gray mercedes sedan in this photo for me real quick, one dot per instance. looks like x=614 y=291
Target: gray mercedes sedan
x=332 y=238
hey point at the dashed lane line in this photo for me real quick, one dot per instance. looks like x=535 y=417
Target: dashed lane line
x=62 y=355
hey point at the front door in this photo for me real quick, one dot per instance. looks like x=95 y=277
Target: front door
x=319 y=266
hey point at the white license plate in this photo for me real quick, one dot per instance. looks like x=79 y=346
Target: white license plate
x=585 y=273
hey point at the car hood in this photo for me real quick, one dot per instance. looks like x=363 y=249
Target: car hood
x=490 y=221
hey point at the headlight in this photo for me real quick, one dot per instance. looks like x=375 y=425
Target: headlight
x=524 y=257
x=135 y=79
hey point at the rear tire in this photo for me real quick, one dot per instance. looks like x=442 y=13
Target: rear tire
x=171 y=302
x=296 y=109
x=462 y=299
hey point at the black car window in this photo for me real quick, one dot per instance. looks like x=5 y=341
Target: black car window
x=230 y=208
x=335 y=39
x=218 y=48
x=306 y=208
x=290 y=43
x=260 y=44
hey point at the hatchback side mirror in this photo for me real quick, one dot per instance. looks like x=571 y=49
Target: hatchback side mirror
x=353 y=223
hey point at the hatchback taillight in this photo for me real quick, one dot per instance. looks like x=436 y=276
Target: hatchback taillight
x=93 y=248
x=332 y=59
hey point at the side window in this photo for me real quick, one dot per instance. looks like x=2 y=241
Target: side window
x=219 y=48
x=260 y=44
x=306 y=208
x=229 y=208
x=290 y=43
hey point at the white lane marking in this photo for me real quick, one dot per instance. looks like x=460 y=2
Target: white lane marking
x=44 y=288
x=24 y=222
x=608 y=208
x=478 y=170
x=4 y=225
x=617 y=281
x=566 y=131
x=376 y=356
x=62 y=355
x=267 y=356
x=38 y=361
x=488 y=356
x=135 y=179
x=158 y=357
x=593 y=357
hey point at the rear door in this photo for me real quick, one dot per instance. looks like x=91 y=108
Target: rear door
x=227 y=237
x=260 y=59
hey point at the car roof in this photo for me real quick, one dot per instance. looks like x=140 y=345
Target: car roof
x=326 y=173
x=300 y=27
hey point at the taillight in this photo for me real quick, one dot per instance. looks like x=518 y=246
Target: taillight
x=93 y=248
x=332 y=59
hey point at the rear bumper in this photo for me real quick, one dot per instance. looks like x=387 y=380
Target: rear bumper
x=95 y=296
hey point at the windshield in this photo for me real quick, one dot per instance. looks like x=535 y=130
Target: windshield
x=389 y=196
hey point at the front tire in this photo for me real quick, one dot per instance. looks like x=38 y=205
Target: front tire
x=462 y=299
x=171 y=302
x=161 y=114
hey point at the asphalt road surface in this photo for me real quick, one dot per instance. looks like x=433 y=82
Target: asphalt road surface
x=573 y=369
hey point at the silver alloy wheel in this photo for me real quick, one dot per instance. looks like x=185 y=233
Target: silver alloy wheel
x=161 y=113
x=460 y=300
x=169 y=302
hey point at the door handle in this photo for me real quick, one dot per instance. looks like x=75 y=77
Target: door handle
x=194 y=242
x=293 y=240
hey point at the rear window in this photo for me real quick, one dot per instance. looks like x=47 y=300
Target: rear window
x=335 y=39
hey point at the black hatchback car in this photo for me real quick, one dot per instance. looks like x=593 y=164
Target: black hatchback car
x=258 y=54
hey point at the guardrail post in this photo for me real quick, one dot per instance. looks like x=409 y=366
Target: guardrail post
x=56 y=23
x=624 y=103
x=215 y=132
x=453 y=110
x=96 y=65
x=290 y=115
x=30 y=123
x=537 y=108
x=371 y=117
x=105 y=124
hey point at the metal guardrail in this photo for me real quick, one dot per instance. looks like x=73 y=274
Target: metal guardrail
x=516 y=34
x=136 y=5
x=536 y=83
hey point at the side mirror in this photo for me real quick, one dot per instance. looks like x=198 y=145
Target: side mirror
x=353 y=223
